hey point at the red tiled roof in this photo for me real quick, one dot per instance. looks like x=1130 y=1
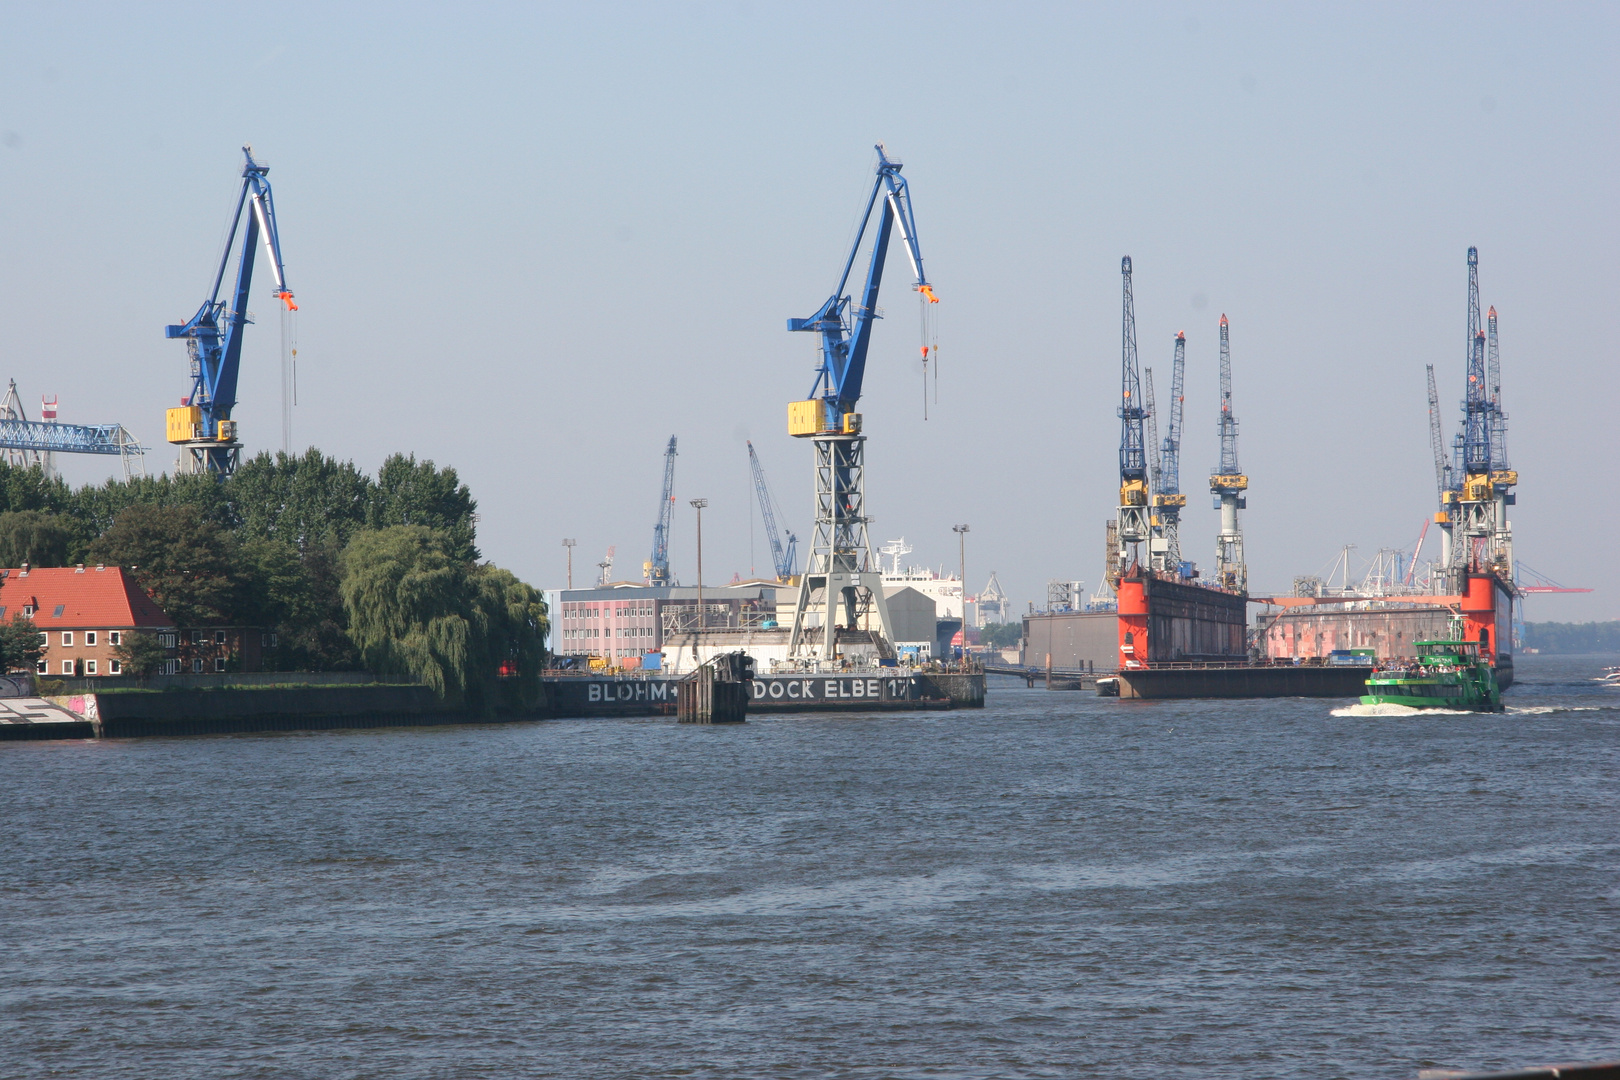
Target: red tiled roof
x=91 y=598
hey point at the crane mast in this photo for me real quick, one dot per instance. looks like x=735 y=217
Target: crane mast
x=656 y=569
x=202 y=426
x=1227 y=483
x=1133 y=522
x=1167 y=495
x=782 y=557
x=842 y=572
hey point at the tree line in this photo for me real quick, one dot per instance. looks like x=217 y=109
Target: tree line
x=348 y=571
x=1556 y=637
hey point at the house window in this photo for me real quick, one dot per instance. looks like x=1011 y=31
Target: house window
x=89 y=637
x=171 y=667
x=44 y=638
x=67 y=638
x=168 y=642
x=196 y=637
x=115 y=637
x=115 y=667
x=197 y=665
x=57 y=614
x=67 y=667
x=43 y=667
x=219 y=637
x=28 y=610
x=219 y=663
x=89 y=667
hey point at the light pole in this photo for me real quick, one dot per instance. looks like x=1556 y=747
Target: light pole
x=961 y=532
x=569 y=544
x=699 y=504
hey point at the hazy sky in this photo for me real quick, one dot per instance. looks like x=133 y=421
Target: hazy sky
x=534 y=242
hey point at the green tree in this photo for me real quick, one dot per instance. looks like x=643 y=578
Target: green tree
x=1001 y=635
x=302 y=501
x=98 y=507
x=38 y=538
x=184 y=561
x=510 y=623
x=19 y=644
x=140 y=654
x=30 y=489
x=412 y=493
x=405 y=594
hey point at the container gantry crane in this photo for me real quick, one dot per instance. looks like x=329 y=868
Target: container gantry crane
x=656 y=569
x=1227 y=483
x=1134 y=526
x=202 y=426
x=841 y=570
x=1167 y=495
x=783 y=557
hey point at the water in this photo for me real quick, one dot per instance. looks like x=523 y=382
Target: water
x=1055 y=884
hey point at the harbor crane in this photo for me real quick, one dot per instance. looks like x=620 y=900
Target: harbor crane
x=841 y=570
x=202 y=425
x=656 y=569
x=1168 y=498
x=1481 y=535
x=1444 y=484
x=1134 y=525
x=783 y=557
x=1227 y=483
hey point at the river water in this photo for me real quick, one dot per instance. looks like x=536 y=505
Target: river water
x=1054 y=885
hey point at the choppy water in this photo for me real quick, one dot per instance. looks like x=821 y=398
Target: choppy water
x=1055 y=885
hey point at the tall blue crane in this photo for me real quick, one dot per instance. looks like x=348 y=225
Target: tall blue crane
x=841 y=568
x=213 y=336
x=1134 y=526
x=657 y=567
x=782 y=557
x=1168 y=498
x=1228 y=483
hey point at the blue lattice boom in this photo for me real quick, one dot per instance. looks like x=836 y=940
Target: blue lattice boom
x=67 y=438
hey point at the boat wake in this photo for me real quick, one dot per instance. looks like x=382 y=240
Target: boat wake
x=1396 y=710
x=1543 y=710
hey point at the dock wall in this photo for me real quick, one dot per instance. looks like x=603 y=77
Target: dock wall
x=1244 y=682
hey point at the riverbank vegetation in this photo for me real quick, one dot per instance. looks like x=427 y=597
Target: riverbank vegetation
x=346 y=570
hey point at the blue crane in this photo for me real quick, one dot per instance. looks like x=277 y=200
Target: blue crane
x=1167 y=495
x=783 y=557
x=213 y=336
x=657 y=567
x=1135 y=520
x=845 y=333
x=1228 y=484
x=840 y=570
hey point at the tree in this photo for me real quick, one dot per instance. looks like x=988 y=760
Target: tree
x=510 y=635
x=301 y=501
x=412 y=493
x=19 y=644
x=185 y=562
x=30 y=489
x=140 y=654
x=406 y=598
x=1001 y=635
x=38 y=538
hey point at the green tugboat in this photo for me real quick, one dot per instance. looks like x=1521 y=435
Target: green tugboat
x=1447 y=674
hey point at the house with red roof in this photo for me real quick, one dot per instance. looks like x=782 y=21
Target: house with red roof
x=82 y=613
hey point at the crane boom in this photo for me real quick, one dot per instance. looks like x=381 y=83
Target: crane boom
x=1437 y=445
x=1228 y=483
x=657 y=568
x=782 y=557
x=1493 y=379
x=1150 y=420
x=1170 y=453
x=846 y=335
x=213 y=336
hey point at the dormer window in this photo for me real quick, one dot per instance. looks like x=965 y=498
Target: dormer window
x=28 y=611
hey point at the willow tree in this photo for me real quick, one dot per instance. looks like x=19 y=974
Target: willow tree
x=406 y=598
x=418 y=610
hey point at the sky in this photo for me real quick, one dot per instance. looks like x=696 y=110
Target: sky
x=532 y=242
